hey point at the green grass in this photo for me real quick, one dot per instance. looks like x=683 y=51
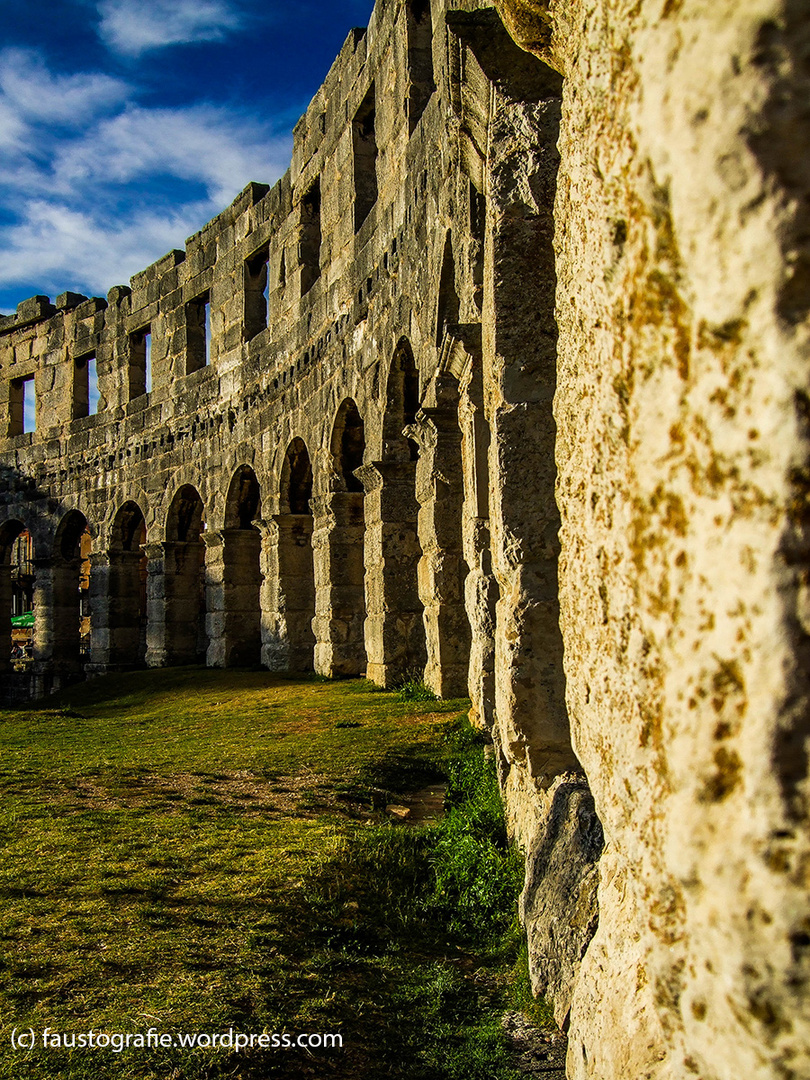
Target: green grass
x=196 y=851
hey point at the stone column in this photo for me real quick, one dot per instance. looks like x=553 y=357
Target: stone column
x=156 y=606
x=215 y=598
x=57 y=652
x=174 y=603
x=340 y=608
x=481 y=587
x=289 y=640
x=100 y=604
x=394 y=627
x=520 y=379
x=442 y=570
x=5 y=618
x=126 y=618
x=233 y=589
x=56 y=606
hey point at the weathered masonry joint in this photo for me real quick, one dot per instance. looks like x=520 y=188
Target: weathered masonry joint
x=503 y=384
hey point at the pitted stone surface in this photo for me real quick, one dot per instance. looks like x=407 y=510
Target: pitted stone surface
x=506 y=384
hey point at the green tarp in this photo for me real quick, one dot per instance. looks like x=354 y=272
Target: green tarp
x=23 y=622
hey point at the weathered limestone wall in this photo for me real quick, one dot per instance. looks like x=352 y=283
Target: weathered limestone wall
x=506 y=384
x=682 y=300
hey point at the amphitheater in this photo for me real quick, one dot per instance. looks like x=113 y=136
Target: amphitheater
x=505 y=383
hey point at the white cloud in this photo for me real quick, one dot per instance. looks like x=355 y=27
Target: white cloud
x=12 y=128
x=66 y=248
x=132 y=27
x=202 y=143
x=30 y=91
x=91 y=207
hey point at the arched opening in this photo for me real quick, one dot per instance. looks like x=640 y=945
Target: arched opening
x=16 y=594
x=242 y=577
x=401 y=405
x=395 y=628
x=293 y=642
x=447 y=311
x=340 y=545
x=62 y=604
x=128 y=575
x=186 y=641
x=348 y=445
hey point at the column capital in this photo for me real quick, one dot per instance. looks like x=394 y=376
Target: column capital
x=378 y=474
x=213 y=538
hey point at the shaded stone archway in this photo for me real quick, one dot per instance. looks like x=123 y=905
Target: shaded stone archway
x=177 y=632
x=10 y=531
x=58 y=601
x=290 y=643
x=118 y=594
x=234 y=616
x=338 y=541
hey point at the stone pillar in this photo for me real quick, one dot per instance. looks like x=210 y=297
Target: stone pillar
x=5 y=618
x=156 y=606
x=481 y=587
x=175 y=602
x=100 y=603
x=233 y=600
x=215 y=598
x=442 y=570
x=289 y=640
x=480 y=601
x=57 y=652
x=520 y=379
x=394 y=627
x=56 y=607
x=126 y=614
x=340 y=608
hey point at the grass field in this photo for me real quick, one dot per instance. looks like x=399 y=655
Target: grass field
x=200 y=851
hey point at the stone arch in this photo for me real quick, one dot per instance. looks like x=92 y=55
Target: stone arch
x=348 y=445
x=243 y=500
x=9 y=531
x=186 y=515
x=235 y=611
x=128 y=566
x=11 y=587
x=290 y=643
x=183 y=594
x=339 y=545
x=449 y=304
x=401 y=405
x=128 y=530
x=296 y=479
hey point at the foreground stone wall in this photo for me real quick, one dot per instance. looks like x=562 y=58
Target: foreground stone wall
x=682 y=302
x=505 y=383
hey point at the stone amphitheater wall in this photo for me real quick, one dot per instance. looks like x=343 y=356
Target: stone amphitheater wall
x=504 y=382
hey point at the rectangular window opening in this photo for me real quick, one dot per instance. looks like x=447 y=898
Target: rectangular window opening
x=22 y=417
x=309 y=248
x=364 y=143
x=85 y=386
x=257 y=292
x=198 y=333
x=140 y=363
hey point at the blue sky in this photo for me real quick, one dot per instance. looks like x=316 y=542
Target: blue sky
x=125 y=125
